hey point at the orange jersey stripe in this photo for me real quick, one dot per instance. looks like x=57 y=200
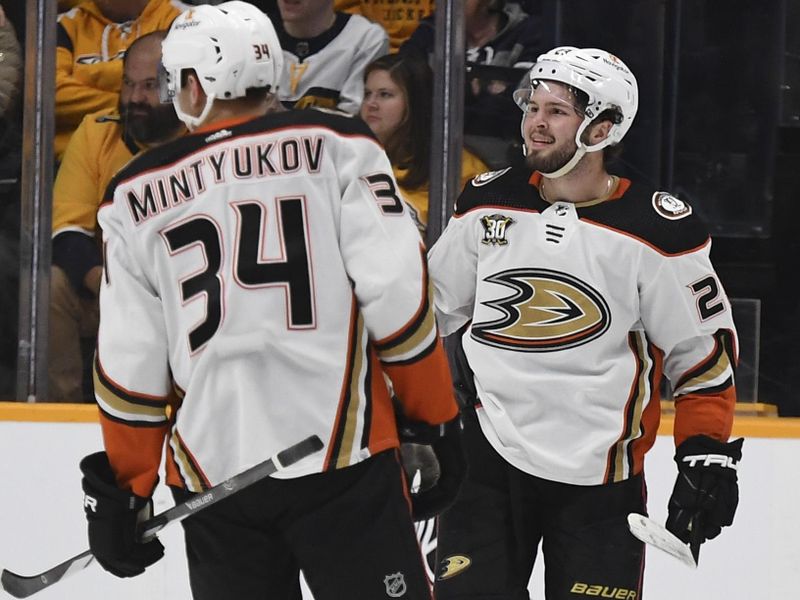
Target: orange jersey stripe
x=697 y=414
x=413 y=383
x=134 y=454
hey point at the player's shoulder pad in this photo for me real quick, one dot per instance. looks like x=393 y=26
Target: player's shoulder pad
x=657 y=217
x=508 y=187
x=127 y=170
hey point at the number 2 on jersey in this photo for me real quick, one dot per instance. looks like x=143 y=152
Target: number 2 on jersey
x=249 y=270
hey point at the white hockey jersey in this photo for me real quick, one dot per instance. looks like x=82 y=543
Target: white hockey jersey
x=328 y=70
x=572 y=314
x=261 y=280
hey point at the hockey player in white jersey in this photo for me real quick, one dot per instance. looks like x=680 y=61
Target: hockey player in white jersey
x=262 y=281
x=573 y=292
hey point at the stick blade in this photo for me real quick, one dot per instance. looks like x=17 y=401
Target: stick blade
x=659 y=536
x=299 y=451
x=20 y=586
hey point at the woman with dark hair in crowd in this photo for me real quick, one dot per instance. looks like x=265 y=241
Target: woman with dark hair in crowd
x=397 y=106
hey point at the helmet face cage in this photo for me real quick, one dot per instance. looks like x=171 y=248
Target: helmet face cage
x=605 y=80
x=232 y=47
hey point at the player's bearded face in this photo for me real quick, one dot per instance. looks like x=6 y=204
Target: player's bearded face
x=551 y=121
x=148 y=124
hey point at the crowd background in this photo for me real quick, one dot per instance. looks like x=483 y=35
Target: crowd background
x=718 y=126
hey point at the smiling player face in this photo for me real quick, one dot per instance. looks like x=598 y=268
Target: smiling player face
x=551 y=122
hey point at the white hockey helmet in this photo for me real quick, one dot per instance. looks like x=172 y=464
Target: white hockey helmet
x=231 y=46
x=605 y=79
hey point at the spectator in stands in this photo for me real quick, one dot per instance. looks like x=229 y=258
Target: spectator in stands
x=65 y=5
x=91 y=40
x=14 y=12
x=105 y=141
x=11 y=62
x=325 y=53
x=397 y=106
x=502 y=43
x=398 y=17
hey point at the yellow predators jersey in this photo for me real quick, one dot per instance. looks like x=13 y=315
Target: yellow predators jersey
x=263 y=279
x=89 y=55
x=96 y=151
x=398 y=17
x=418 y=198
x=574 y=312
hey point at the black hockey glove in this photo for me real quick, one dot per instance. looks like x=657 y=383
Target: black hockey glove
x=113 y=515
x=436 y=451
x=463 y=375
x=707 y=489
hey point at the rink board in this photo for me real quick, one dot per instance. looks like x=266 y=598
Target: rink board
x=42 y=523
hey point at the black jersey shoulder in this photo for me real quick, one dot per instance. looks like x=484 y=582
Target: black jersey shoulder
x=656 y=217
x=335 y=120
x=296 y=120
x=508 y=187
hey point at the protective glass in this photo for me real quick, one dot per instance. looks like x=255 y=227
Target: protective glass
x=166 y=85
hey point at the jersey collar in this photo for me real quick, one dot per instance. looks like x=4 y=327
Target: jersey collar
x=622 y=186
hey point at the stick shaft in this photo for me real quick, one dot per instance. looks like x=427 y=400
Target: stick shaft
x=230 y=486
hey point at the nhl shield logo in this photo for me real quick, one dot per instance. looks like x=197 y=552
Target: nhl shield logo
x=395 y=585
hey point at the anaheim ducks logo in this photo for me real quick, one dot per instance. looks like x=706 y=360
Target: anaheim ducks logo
x=548 y=311
x=453 y=565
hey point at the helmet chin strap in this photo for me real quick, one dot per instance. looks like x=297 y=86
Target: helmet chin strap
x=190 y=121
x=582 y=149
x=569 y=165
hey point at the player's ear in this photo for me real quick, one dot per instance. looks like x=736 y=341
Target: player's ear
x=599 y=131
x=197 y=96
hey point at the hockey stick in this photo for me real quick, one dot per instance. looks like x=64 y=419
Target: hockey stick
x=660 y=537
x=696 y=538
x=21 y=586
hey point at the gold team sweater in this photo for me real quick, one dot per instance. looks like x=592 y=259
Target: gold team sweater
x=89 y=55
x=96 y=151
x=417 y=198
x=398 y=17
